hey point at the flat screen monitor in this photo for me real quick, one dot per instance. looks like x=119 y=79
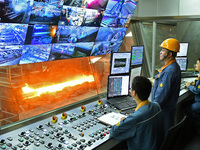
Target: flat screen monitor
x=137 y=55
x=182 y=61
x=118 y=85
x=120 y=63
x=183 y=49
x=135 y=72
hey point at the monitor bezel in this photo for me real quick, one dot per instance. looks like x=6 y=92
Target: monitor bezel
x=186 y=63
x=111 y=63
x=117 y=75
x=187 y=49
x=138 y=65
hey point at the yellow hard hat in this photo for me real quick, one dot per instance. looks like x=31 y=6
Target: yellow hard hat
x=171 y=44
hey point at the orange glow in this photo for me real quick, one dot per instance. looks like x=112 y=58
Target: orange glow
x=53 y=88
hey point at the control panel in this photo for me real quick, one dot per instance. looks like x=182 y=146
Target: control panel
x=76 y=129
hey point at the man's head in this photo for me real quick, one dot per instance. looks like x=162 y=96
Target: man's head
x=170 y=47
x=141 y=86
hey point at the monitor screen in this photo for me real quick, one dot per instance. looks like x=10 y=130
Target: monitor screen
x=118 y=85
x=183 y=49
x=135 y=72
x=120 y=63
x=182 y=61
x=136 y=55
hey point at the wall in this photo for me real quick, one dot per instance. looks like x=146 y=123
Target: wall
x=158 y=8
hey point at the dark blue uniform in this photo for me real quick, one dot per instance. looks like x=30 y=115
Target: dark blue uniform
x=142 y=130
x=195 y=107
x=166 y=90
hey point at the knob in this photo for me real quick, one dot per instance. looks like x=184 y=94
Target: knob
x=59 y=145
x=83 y=108
x=27 y=142
x=54 y=119
x=49 y=144
x=100 y=102
x=22 y=133
x=40 y=126
x=2 y=141
x=62 y=138
x=89 y=142
x=64 y=115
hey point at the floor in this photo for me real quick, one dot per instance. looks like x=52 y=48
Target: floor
x=193 y=143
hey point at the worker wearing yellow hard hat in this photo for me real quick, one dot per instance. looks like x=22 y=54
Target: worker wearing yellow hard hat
x=167 y=82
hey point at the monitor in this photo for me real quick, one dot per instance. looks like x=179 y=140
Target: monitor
x=118 y=85
x=183 y=49
x=135 y=72
x=120 y=63
x=137 y=55
x=182 y=61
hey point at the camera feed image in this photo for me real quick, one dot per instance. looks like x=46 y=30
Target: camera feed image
x=97 y=4
x=100 y=48
x=76 y=3
x=92 y=18
x=70 y=50
x=15 y=11
x=117 y=12
x=35 y=53
x=115 y=46
x=40 y=34
x=119 y=62
x=10 y=55
x=73 y=34
x=110 y=34
x=71 y=16
x=44 y=13
x=12 y=34
x=58 y=2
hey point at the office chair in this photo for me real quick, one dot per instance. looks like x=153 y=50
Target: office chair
x=175 y=136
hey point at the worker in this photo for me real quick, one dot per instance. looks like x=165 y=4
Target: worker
x=142 y=130
x=193 y=109
x=167 y=82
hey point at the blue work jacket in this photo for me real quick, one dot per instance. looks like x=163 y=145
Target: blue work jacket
x=142 y=130
x=196 y=89
x=166 y=87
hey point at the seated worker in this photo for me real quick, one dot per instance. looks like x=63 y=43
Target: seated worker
x=142 y=130
x=191 y=110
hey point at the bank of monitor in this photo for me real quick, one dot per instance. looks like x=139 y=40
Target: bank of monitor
x=137 y=55
x=183 y=50
x=120 y=63
x=118 y=85
x=182 y=61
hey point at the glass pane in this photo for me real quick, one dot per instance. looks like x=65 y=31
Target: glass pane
x=101 y=69
x=32 y=89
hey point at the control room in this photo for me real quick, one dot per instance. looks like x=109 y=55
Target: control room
x=99 y=74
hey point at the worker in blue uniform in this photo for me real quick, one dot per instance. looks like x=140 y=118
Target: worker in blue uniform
x=193 y=108
x=142 y=130
x=167 y=82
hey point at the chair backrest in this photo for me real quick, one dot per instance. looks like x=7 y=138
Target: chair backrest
x=173 y=135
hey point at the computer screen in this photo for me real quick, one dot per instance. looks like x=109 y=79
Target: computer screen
x=136 y=55
x=135 y=72
x=183 y=49
x=118 y=86
x=120 y=63
x=182 y=61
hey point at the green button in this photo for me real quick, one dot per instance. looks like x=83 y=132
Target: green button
x=21 y=139
x=66 y=130
x=47 y=134
x=3 y=147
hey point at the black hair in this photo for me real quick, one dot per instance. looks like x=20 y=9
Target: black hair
x=198 y=59
x=174 y=54
x=142 y=87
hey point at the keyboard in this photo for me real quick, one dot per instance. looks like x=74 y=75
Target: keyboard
x=182 y=87
x=126 y=105
x=188 y=75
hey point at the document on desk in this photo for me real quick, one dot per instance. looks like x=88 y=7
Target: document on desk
x=111 y=118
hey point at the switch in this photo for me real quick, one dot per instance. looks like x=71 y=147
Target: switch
x=100 y=102
x=83 y=108
x=64 y=115
x=54 y=119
